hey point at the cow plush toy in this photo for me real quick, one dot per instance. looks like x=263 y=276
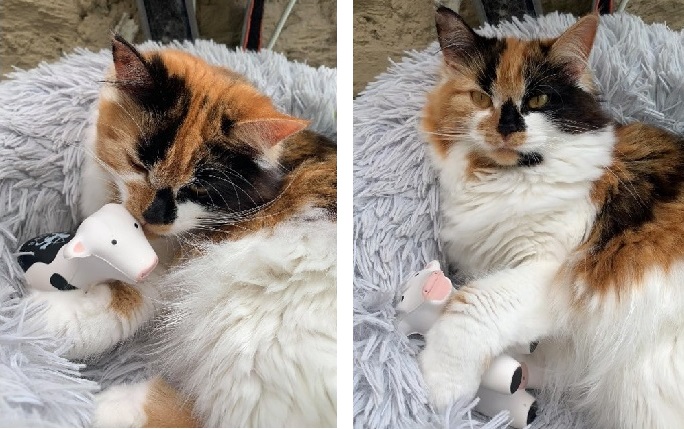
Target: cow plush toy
x=423 y=296
x=108 y=245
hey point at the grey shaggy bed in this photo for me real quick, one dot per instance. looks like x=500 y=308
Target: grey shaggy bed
x=640 y=69
x=43 y=115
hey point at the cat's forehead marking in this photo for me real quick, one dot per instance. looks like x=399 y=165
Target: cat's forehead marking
x=510 y=80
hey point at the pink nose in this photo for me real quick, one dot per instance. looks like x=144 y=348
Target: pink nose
x=146 y=272
x=431 y=281
x=436 y=287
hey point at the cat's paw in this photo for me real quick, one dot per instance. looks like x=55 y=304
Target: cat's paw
x=90 y=323
x=121 y=406
x=451 y=365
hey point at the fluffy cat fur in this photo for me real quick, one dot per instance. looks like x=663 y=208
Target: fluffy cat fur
x=568 y=225
x=240 y=202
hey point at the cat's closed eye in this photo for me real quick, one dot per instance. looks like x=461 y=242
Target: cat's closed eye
x=195 y=188
x=538 y=101
x=480 y=99
x=137 y=166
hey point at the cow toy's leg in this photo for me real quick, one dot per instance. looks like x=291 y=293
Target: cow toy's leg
x=91 y=322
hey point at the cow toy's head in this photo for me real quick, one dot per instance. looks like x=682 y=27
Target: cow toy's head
x=423 y=295
x=113 y=235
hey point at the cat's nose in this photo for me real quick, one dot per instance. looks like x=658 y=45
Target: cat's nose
x=511 y=120
x=163 y=209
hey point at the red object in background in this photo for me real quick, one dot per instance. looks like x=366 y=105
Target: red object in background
x=251 y=32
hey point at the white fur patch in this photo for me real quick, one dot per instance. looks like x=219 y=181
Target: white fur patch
x=187 y=217
x=94 y=178
x=122 y=406
x=251 y=328
x=511 y=215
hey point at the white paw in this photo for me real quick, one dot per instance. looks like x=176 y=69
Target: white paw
x=86 y=322
x=452 y=364
x=121 y=406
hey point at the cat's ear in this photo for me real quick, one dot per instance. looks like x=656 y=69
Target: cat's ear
x=573 y=47
x=456 y=39
x=268 y=132
x=130 y=66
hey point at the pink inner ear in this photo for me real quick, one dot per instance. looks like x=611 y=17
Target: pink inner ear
x=269 y=132
x=79 y=247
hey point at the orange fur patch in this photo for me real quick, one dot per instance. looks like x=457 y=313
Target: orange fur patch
x=164 y=407
x=618 y=263
x=447 y=110
x=125 y=299
x=510 y=81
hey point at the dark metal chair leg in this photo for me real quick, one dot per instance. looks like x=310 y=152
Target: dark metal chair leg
x=167 y=20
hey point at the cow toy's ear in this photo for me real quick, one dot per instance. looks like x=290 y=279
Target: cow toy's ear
x=432 y=265
x=76 y=249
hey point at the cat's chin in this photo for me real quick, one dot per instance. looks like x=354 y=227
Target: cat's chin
x=156 y=231
x=504 y=157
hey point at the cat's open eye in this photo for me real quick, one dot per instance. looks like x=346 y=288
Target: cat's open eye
x=480 y=99
x=538 y=101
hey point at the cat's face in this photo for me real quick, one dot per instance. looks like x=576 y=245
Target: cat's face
x=188 y=145
x=510 y=100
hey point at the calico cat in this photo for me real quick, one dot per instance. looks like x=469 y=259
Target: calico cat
x=569 y=225
x=247 y=198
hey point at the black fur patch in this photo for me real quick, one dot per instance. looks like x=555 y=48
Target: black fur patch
x=530 y=159
x=163 y=209
x=230 y=179
x=59 y=282
x=511 y=120
x=489 y=51
x=167 y=102
x=227 y=124
x=570 y=108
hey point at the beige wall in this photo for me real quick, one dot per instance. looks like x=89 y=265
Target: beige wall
x=36 y=30
x=386 y=28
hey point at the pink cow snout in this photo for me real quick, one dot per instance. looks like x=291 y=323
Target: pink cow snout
x=146 y=272
x=437 y=287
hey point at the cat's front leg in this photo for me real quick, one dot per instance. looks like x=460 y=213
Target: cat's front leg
x=89 y=323
x=480 y=321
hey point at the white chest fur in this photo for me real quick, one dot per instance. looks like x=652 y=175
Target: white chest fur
x=501 y=218
x=251 y=331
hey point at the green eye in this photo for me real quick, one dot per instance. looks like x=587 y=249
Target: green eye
x=538 y=101
x=480 y=99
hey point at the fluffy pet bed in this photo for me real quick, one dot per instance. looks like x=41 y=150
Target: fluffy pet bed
x=43 y=118
x=640 y=70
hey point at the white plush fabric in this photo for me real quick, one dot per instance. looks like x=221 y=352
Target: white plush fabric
x=640 y=71
x=43 y=117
